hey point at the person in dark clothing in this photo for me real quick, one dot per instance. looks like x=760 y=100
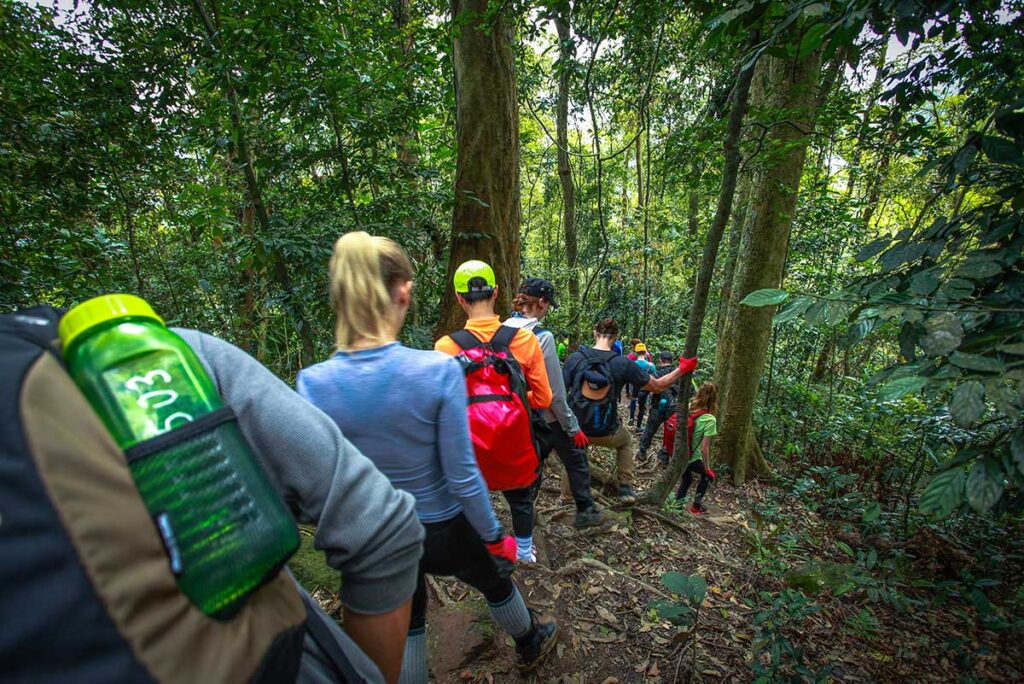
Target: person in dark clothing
x=623 y=371
x=663 y=405
x=560 y=430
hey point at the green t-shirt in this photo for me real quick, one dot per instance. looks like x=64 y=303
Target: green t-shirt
x=704 y=426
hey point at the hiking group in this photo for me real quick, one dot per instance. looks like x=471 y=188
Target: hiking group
x=390 y=452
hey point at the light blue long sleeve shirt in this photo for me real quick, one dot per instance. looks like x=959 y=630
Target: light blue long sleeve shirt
x=405 y=409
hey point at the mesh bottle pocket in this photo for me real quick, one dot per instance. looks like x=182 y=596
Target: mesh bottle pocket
x=225 y=529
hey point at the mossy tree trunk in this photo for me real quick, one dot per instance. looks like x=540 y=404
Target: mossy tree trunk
x=791 y=91
x=485 y=222
x=731 y=151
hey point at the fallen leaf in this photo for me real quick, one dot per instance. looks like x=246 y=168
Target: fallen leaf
x=611 y=680
x=652 y=671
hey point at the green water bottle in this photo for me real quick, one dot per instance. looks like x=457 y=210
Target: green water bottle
x=225 y=529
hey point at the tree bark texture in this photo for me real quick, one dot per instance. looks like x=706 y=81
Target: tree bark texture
x=566 y=54
x=731 y=152
x=792 y=90
x=739 y=213
x=485 y=223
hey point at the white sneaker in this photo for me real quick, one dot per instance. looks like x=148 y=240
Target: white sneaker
x=530 y=558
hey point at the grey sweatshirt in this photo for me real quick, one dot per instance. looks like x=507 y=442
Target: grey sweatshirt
x=559 y=409
x=366 y=528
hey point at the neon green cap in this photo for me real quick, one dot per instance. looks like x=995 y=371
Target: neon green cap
x=92 y=312
x=469 y=270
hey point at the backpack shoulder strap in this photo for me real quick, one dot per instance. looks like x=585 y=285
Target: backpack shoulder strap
x=465 y=339
x=503 y=338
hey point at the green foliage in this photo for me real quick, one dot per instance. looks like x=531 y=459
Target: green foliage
x=691 y=590
x=777 y=650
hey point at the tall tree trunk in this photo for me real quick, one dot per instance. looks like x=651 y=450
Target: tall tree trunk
x=731 y=152
x=693 y=205
x=566 y=55
x=739 y=215
x=641 y=213
x=485 y=222
x=792 y=88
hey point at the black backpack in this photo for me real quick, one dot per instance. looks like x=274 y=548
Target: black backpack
x=595 y=408
x=89 y=594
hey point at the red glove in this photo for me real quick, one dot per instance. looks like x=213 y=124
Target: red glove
x=687 y=365
x=709 y=472
x=503 y=552
x=580 y=440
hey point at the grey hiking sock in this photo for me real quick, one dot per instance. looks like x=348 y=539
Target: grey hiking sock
x=512 y=615
x=414 y=660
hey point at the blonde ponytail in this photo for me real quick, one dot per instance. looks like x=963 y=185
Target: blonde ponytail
x=363 y=270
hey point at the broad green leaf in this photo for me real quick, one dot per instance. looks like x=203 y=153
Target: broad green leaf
x=1017 y=348
x=901 y=387
x=696 y=590
x=1000 y=150
x=812 y=40
x=873 y=248
x=670 y=610
x=957 y=289
x=795 y=308
x=984 y=485
x=1005 y=399
x=765 y=297
x=925 y=282
x=872 y=512
x=845 y=548
x=943 y=334
x=895 y=256
x=675 y=582
x=943 y=493
x=968 y=403
x=977 y=362
x=979 y=269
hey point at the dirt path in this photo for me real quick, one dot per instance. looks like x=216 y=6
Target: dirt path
x=599 y=584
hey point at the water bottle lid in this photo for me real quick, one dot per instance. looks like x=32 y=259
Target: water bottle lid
x=92 y=312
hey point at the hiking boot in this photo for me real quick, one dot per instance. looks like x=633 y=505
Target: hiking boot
x=626 y=495
x=698 y=508
x=589 y=518
x=537 y=643
x=640 y=456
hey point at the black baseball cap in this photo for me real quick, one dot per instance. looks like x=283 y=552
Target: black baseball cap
x=540 y=288
x=666 y=354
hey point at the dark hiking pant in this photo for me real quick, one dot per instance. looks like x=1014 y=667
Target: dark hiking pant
x=695 y=468
x=520 y=504
x=641 y=407
x=654 y=421
x=453 y=549
x=573 y=458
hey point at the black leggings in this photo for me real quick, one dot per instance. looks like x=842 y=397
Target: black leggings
x=695 y=468
x=453 y=549
x=520 y=505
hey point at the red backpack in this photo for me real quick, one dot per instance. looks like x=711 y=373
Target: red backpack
x=668 y=435
x=499 y=413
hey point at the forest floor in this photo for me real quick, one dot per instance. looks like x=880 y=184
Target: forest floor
x=599 y=584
